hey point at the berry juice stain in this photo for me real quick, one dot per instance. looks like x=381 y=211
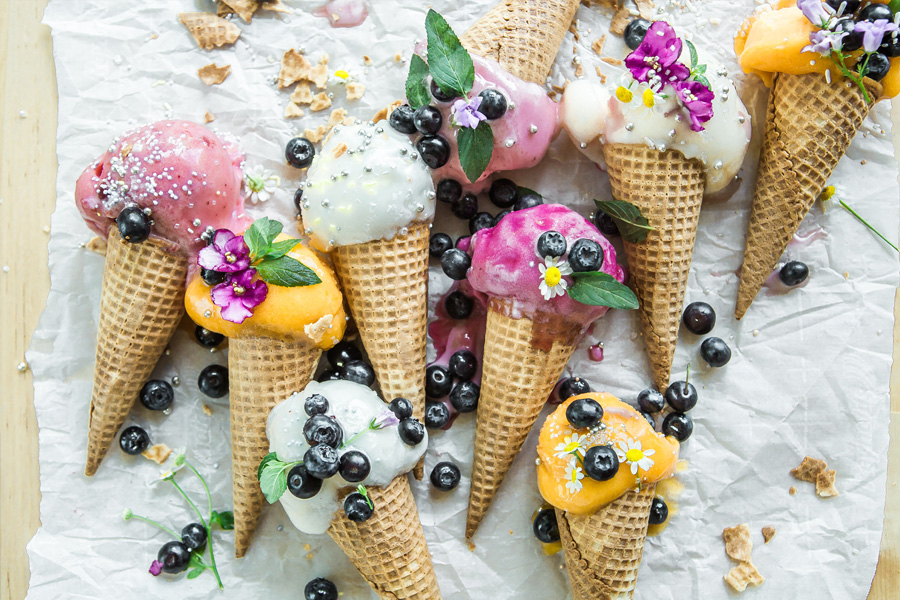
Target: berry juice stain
x=670 y=491
x=343 y=13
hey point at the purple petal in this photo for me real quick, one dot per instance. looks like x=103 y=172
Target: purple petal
x=386 y=419
x=211 y=258
x=674 y=73
x=236 y=313
x=255 y=294
x=221 y=237
x=223 y=295
x=155 y=568
x=817 y=12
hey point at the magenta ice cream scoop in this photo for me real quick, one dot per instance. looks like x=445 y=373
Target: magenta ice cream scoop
x=187 y=177
x=516 y=261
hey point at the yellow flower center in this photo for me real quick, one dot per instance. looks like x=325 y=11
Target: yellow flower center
x=571 y=446
x=634 y=455
x=239 y=290
x=649 y=101
x=342 y=74
x=230 y=258
x=624 y=94
x=827 y=193
x=552 y=276
x=574 y=475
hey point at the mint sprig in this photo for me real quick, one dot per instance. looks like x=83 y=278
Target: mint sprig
x=475 y=149
x=260 y=235
x=450 y=65
x=601 y=289
x=633 y=226
x=270 y=258
x=697 y=70
x=272 y=476
x=416 y=88
x=286 y=272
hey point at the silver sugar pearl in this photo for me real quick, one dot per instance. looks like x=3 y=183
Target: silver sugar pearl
x=718 y=165
x=196 y=222
x=420 y=207
x=176 y=381
x=741 y=119
x=414 y=156
x=22 y=366
x=367 y=169
x=533 y=128
x=326 y=203
x=207 y=314
x=379 y=130
x=671 y=134
x=403 y=151
x=582 y=145
x=629 y=126
x=509 y=143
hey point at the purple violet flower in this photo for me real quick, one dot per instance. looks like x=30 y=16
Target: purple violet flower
x=697 y=99
x=817 y=12
x=155 y=568
x=655 y=61
x=228 y=253
x=385 y=419
x=873 y=33
x=465 y=114
x=824 y=41
x=239 y=295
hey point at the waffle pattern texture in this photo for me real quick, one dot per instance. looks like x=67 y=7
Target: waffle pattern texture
x=516 y=381
x=210 y=31
x=261 y=373
x=809 y=125
x=524 y=36
x=668 y=188
x=140 y=307
x=389 y=550
x=603 y=551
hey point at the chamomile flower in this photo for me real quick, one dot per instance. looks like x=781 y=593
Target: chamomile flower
x=574 y=475
x=260 y=184
x=552 y=283
x=630 y=451
x=571 y=445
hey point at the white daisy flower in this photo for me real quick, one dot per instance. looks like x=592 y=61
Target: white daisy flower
x=574 y=475
x=260 y=184
x=570 y=446
x=630 y=451
x=552 y=282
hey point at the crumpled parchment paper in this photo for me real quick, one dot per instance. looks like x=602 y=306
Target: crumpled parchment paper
x=809 y=373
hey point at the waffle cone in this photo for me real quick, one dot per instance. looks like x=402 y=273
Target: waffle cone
x=261 y=373
x=517 y=378
x=210 y=31
x=140 y=307
x=668 y=188
x=524 y=36
x=389 y=550
x=603 y=550
x=809 y=125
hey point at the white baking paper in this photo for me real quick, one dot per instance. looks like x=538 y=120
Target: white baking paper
x=809 y=373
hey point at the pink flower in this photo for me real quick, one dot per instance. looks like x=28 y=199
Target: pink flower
x=228 y=253
x=239 y=295
x=155 y=568
x=655 y=61
x=465 y=113
x=697 y=99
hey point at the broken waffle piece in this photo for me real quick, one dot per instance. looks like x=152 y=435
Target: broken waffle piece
x=210 y=31
x=319 y=74
x=301 y=94
x=243 y=8
x=208 y=117
x=320 y=101
x=597 y=45
x=157 y=453
x=619 y=21
x=275 y=6
x=213 y=74
x=741 y=576
x=294 y=68
x=355 y=90
x=809 y=469
x=768 y=533
x=97 y=245
x=207 y=410
x=825 y=484
x=385 y=112
x=337 y=116
x=738 y=544
x=293 y=111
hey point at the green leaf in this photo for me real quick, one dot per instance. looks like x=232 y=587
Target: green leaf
x=633 y=226
x=196 y=561
x=416 y=91
x=273 y=481
x=701 y=69
x=599 y=289
x=693 y=52
x=286 y=272
x=281 y=248
x=267 y=459
x=524 y=191
x=475 y=149
x=260 y=235
x=894 y=5
x=194 y=574
x=224 y=519
x=449 y=63
x=703 y=80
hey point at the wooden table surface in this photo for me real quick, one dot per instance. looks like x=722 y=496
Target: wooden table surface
x=27 y=196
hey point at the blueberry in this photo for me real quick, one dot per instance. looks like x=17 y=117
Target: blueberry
x=464 y=207
x=651 y=420
x=584 y=413
x=503 y=193
x=342 y=353
x=635 y=32
x=298 y=200
x=651 y=401
x=437 y=415
x=480 y=221
x=401 y=119
x=157 y=394
x=357 y=508
x=401 y=407
x=437 y=381
x=448 y=190
x=207 y=338
x=890 y=45
x=174 y=557
x=605 y=224
x=439 y=94
x=299 y=152
x=551 y=243
x=213 y=381
x=329 y=375
x=455 y=263
x=877 y=66
x=464 y=396
x=545 y=526
x=601 y=463
x=586 y=255
x=211 y=277
x=355 y=466
x=411 y=431
x=434 y=149
x=659 y=512
x=358 y=371
x=427 y=119
x=301 y=484
x=493 y=104
x=458 y=305
x=528 y=200
x=321 y=461
x=793 y=273
x=681 y=396
x=134 y=440
x=445 y=476
x=874 y=11
x=678 y=425
x=715 y=352
x=193 y=536
x=573 y=386
x=133 y=224
x=320 y=429
x=850 y=6
x=463 y=364
x=438 y=244
x=320 y=589
x=854 y=39
x=499 y=216
x=699 y=318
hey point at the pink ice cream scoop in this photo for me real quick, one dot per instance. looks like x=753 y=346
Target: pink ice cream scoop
x=187 y=177
x=507 y=262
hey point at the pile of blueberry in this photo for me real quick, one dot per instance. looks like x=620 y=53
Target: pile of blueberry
x=681 y=397
x=347 y=363
x=878 y=63
x=175 y=556
x=699 y=318
x=454 y=381
x=600 y=462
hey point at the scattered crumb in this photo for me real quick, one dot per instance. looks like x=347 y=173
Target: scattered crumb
x=208 y=117
x=98 y=245
x=276 y=6
x=741 y=576
x=387 y=110
x=600 y=74
x=863 y=161
x=825 y=484
x=510 y=532
x=210 y=31
x=301 y=94
x=755 y=332
x=152 y=36
x=768 y=533
x=809 y=469
x=315 y=135
x=597 y=45
x=23 y=114
x=293 y=111
x=341 y=148
x=213 y=74
x=645 y=8
x=45 y=229
x=559 y=89
x=158 y=453
x=619 y=21
x=294 y=68
x=792 y=490
x=612 y=61
x=207 y=410
x=738 y=544
x=355 y=90
x=470 y=545
x=715 y=21
x=552 y=94
x=398 y=57
x=309 y=556
x=846 y=274
x=243 y=8
x=307 y=547
x=579 y=70
x=367 y=61
x=320 y=101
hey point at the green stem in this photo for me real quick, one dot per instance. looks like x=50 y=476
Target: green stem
x=209 y=540
x=356 y=435
x=864 y=222
x=687 y=377
x=203 y=481
x=845 y=70
x=157 y=525
x=189 y=501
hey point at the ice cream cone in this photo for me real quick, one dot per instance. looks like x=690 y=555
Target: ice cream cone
x=668 y=189
x=261 y=373
x=809 y=125
x=389 y=550
x=603 y=550
x=522 y=35
x=523 y=359
x=141 y=305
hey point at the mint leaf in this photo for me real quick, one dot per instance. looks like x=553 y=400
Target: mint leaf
x=281 y=248
x=224 y=519
x=286 y=272
x=702 y=80
x=260 y=235
x=524 y=191
x=416 y=91
x=273 y=481
x=701 y=69
x=449 y=63
x=600 y=289
x=267 y=459
x=195 y=573
x=633 y=226
x=894 y=5
x=475 y=149
x=693 y=52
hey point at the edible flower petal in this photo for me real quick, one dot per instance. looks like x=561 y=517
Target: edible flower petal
x=697 y=99
x=239 y=295
x=818 y=13
x=873 y=32
x=465 y=112
x=228 y=253
x=655 y=61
